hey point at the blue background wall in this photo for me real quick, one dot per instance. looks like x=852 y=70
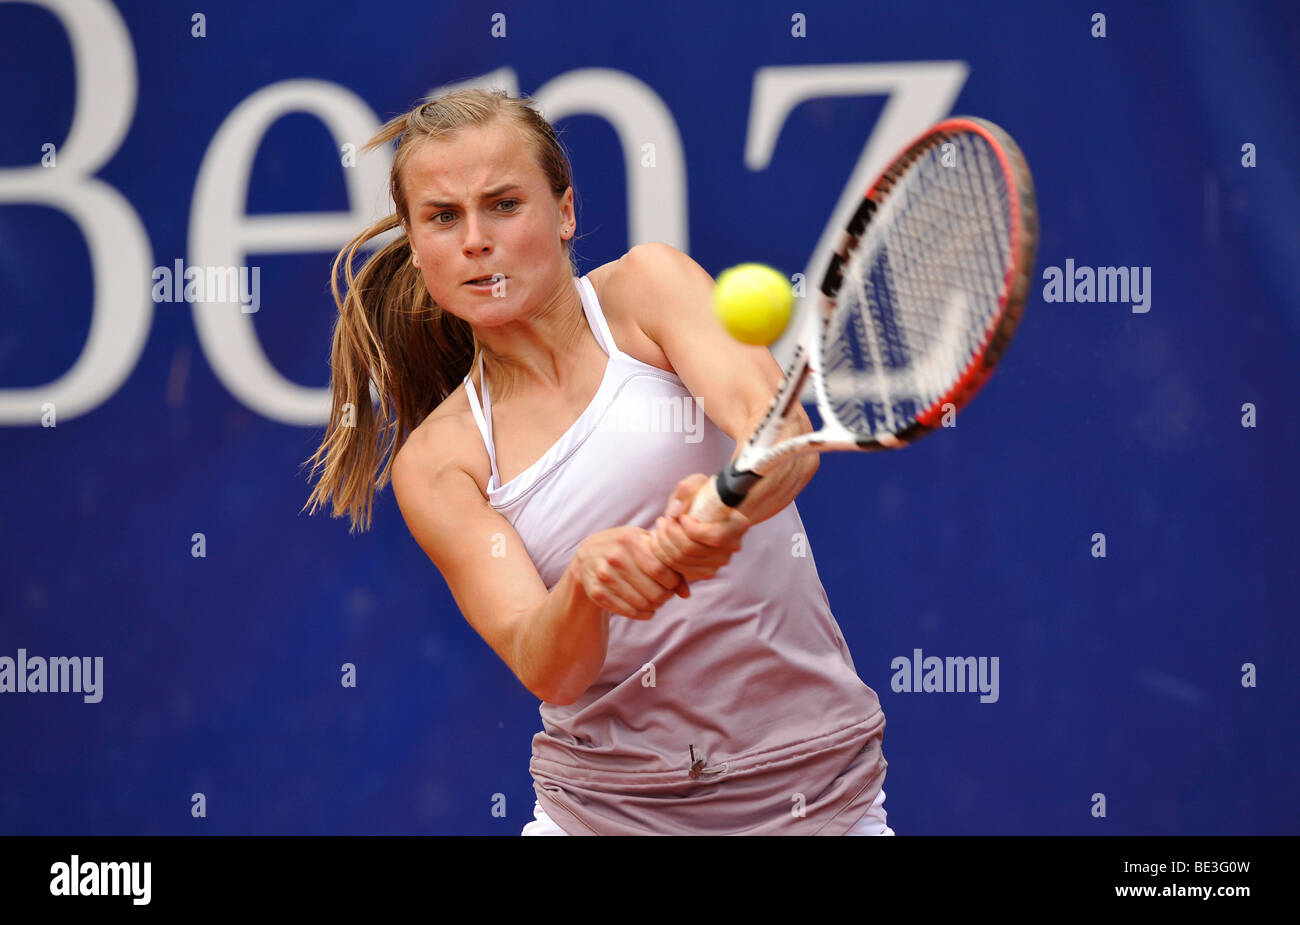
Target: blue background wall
x=1119 y=675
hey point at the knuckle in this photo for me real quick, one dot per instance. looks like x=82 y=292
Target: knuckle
x=703 y=534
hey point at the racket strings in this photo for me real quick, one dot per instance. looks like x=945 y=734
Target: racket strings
x=922 y=290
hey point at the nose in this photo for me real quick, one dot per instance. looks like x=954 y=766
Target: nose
x=476 y=241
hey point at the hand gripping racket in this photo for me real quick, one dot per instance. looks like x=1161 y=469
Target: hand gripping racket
x=919 y=303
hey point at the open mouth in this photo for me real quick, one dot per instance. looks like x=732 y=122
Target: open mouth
x=485 y=280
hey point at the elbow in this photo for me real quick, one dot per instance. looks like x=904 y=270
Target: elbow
x=539 y=687
x=549 y=690
x=560 y=700
x=553 y=695
x=565 y=690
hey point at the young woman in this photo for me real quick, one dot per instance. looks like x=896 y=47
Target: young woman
x=686 y=687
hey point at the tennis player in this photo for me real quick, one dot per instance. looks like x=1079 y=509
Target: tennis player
x=536 y=425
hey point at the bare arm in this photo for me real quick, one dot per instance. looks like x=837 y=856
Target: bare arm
x=671 y=298
x=554 y=641
x=782 y=485
x=695 y=549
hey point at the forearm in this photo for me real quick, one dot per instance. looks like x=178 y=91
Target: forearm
x=775 y=490
x=560 y=647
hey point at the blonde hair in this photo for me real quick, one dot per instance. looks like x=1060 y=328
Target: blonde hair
x=389 y=329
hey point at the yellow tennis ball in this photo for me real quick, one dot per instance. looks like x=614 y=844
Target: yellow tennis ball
x=753 y=302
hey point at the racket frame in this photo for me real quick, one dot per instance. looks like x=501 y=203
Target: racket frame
x=761 y=453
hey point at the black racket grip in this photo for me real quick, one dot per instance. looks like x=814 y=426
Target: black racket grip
x=733 y=486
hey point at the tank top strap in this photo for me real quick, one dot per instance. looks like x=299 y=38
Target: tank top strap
x=599 y=329
x=596 y=319
x=483 y=417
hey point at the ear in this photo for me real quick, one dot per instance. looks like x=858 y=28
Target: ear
x=568 y=220
x=415 y=258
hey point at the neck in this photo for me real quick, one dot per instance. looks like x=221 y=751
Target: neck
x=535 y=352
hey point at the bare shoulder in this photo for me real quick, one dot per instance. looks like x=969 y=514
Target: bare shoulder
x=633 y=290
x=446 y=440
x=651 y=269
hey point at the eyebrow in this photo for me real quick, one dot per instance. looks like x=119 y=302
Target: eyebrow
x=489 y=194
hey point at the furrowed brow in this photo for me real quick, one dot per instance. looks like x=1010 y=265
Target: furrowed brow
x=489 y=194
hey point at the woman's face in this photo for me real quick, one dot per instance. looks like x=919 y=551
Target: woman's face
x=480 y=207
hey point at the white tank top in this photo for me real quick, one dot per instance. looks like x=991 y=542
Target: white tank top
x=750 y=674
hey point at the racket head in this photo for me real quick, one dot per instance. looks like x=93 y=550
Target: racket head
x=927 y=286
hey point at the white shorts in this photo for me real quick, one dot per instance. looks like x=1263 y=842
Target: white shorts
x=873 y=823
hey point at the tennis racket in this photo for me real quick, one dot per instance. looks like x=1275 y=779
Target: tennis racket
x=919 y=303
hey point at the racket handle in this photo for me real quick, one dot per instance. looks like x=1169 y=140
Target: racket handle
x=710 y=505
x=707 y=507
x=717 y=496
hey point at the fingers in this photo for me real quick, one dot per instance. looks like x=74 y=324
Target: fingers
x=649 y=562
x=618 y=594
x=723 y=534
x=668 y=558
x=682 y=496
x=692 y=561
x=697 y=538
x=620 y=572
x=632 y=574
x=679 y=548
x=606 y=599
